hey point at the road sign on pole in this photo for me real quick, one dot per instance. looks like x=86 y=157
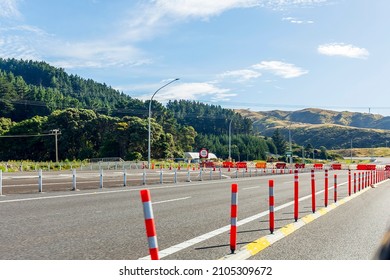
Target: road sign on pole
x=203 y=153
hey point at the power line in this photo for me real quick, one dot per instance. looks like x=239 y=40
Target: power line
x=25 y=136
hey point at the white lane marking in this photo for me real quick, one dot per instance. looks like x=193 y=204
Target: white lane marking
x=178 y=247
x=257 y=187
x=171 y=200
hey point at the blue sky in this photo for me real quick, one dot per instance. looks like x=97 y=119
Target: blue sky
x=256 y=54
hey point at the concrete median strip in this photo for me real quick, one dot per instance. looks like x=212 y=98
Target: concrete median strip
x=262 y=243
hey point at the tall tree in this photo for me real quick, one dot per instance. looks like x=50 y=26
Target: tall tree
x=279 y=141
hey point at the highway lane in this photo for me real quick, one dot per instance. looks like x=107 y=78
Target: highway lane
x=108 y=223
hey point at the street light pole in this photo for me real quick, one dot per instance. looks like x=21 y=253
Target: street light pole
x=150 y=115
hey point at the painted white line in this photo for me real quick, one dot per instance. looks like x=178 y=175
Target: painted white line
x=257 y=187
x=171 y=200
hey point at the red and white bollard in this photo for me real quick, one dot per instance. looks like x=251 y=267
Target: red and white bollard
x=326 y=188
x=335 y=188
x=233 y=218
x=271 y=206
x=296 y=195
x=149 y=224
x=349 y=182
x=354 y=182
x=313 y=192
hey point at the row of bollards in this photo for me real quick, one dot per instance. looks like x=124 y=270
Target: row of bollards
x=364 y=180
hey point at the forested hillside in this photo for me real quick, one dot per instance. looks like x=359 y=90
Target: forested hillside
x=331 y=129
x=29 y=88
x=96 y=120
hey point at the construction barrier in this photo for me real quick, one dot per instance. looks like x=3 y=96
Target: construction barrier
x=261 y=165
x=149 y=224
x=280 y=165
x=241 y=165
x=366 y=167
x=318 y=166
x=227 y=164
x=336 y=166
x=233 y=218
x=300 y=165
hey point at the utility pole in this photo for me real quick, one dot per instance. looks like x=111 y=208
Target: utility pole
x=56 y=132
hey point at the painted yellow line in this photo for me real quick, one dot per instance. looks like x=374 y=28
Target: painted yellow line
x=258 y=245
x=286 y=230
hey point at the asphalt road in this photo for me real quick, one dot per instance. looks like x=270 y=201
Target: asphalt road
x=192 y=219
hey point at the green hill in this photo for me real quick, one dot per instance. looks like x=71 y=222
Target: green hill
x=98 y=121
x=327 y=128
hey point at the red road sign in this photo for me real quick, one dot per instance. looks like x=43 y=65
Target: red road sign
x=203 y=153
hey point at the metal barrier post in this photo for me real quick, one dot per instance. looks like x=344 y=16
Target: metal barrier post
x=101 y=179
x=40 y=180
x=74 y=180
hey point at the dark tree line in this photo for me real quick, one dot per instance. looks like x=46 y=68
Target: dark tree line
x=98 y=121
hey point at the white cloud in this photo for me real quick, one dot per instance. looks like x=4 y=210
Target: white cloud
x=155 y=16
x=282 y=69
x=95 y=54
x=30 y=42
x=192 y=91
x=201 y=8
x=241 y=75
x=9 y=9
x=282 y=4
x=341 y=49
x=297 y=21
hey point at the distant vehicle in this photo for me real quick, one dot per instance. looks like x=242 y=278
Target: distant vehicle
x=179 y=160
